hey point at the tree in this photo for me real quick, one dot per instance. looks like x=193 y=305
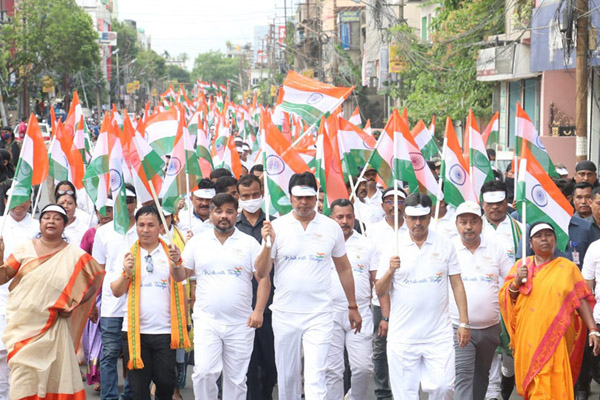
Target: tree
x=214 y=66
x=50 y=37
x=440 y=77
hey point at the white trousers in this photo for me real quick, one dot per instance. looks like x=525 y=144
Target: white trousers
x=501 y=365
x=4 y=371
x=360 y=356
x=432 y=365
x=293 y=333
x=219 y=347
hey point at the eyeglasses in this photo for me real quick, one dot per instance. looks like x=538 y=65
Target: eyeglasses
x=391 y=202
x=149 y=263
x=61 y=192
x=130 y=200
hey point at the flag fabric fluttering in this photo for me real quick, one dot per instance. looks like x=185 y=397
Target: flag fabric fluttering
x=424 y=139
x=490 y=133
x=329 y=169
x=454 y=171
x=161 y=129
x=60 y=146
x=355 y=118
x=527 y=135
x=117 y=182
x=543 y=199
x=355 y=146
x=96 y=180
x=309 y=98
x=32 y=167
x=480 y=168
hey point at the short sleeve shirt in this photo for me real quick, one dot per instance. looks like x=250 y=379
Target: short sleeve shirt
x=591 y=271
x=223 y=275
x=419 y=294
x=303 y=263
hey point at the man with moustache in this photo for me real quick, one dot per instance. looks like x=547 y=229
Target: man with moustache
x=199 y=221
x=367 y=213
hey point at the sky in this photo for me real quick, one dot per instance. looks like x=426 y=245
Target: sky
x=197 y=26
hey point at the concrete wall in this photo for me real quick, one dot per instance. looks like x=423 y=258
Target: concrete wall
x=558 y=87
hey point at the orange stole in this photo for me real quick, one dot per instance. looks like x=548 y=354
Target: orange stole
x=547 y=334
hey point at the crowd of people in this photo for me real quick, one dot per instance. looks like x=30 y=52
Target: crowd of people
x=379 y=293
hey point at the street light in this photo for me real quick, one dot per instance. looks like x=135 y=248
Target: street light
x=116 y=52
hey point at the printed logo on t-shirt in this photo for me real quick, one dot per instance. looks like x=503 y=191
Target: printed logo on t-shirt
x=318 y=257
x=359 y=268
x=235 y=271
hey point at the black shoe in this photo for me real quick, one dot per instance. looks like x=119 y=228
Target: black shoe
x=506 y=386
x=582 y=395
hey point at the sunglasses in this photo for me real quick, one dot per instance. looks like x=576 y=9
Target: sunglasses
x=391 y=202
x=61 y=192
x=149 y=263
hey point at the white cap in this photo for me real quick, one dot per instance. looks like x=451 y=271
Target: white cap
x=540 y=227
x=468 y=207
x=400 y=193
x=109 y=203
x=562 y=171
x=55 y=208
x=301 y=191
x=417 y=211
x=208 y=193
x=129 y=193
x=166 y=213
x=494 y=197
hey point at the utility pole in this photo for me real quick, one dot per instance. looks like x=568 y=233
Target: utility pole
x=581 y=80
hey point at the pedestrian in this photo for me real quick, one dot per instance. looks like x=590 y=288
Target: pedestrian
x=420 y=345
x=198 y=221
x=223 y=260
x=358 y=345
x=155 y=322
x=307 y=246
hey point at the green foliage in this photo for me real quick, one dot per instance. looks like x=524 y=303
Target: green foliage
x=214 y=66
x=178 y=74
x=440 y=77
x=53 y=37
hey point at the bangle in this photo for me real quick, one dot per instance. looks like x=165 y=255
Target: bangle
x=354 y=307
x=178 y=264
x=464 y=325
x=386 y=319
x=594 y=333
x=593 y=329
x=513 y=291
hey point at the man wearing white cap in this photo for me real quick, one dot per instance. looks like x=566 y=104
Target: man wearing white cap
x=501 y=228
x=381 y=235
x=367 y=213
x=107 y=245
x=359 y=346
x=305 y=247
x=199 y=220
x=483 y=267
x=420 y=346
x=18 y=226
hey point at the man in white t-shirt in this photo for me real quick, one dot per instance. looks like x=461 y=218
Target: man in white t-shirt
x=420 y=347
x=445 y=225
x=305 y=248
x=366 y=213
x=148 y=266
x=108 y=246
x=223 y=259
x=18 y=227
x=378 y=234
x=358 y=345
x=198 y=220
x=484 y=265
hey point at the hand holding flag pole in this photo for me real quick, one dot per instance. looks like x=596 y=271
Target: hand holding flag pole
x=440 y=181
x=263 y=141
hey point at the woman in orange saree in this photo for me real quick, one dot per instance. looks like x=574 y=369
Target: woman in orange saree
x=546 y=306
x=52 y=292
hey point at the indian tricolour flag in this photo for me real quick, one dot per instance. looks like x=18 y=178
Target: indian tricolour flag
x=382 y=156
x=280 y=162
x=60 y=146
x=543 y=199
x=309 y=98
x=490 y=134
x=527 y=135
x=424 y=139
x=161 y=129
x=355 y=146
x=480 y=168
x=96 y=180
x=355 y=118
x=32 y=168
x=409 y=158
x=117 y=184
x=457 y=185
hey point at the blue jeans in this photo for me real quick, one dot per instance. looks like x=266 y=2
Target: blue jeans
x=112 y=340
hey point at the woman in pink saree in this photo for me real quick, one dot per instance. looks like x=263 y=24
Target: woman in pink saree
x=52 y=292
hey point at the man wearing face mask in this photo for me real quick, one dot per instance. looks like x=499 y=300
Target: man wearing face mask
x=262 y=373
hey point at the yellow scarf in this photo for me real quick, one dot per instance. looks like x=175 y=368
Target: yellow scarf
x=179 y=336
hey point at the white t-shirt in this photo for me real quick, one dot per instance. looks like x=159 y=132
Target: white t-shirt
x=381 y=234
x=195 y=224
x=502 y=235
x=155 y=293
x=303 y=263
x=75 y=231
x=368 y=213
x=14 y=234
x=376 y=199
x=108 y=246
x=482 y=273
x=446 y=226
x=360 y=254
x=419 y=294
x=223 y=275
x=591 y=271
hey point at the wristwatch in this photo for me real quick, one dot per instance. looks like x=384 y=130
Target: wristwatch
x=386 y=319
x=464 y=325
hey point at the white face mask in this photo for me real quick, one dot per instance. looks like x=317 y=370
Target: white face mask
x=251 y=206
